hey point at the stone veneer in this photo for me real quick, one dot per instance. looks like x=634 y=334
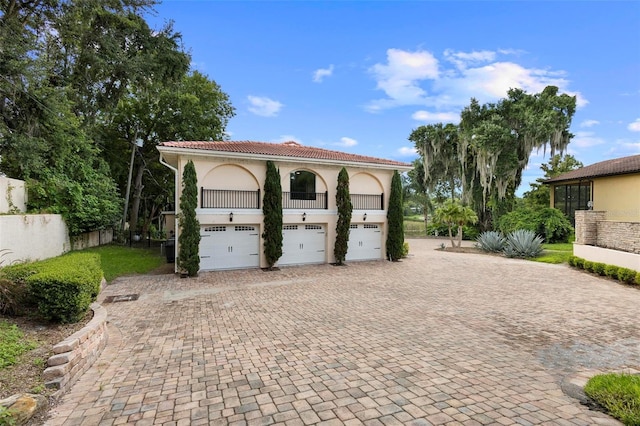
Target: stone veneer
x=75 y=354
x=592 y=229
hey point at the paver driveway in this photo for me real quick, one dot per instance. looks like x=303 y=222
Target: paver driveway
x=440 y=338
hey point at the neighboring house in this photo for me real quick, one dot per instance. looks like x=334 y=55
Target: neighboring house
x=231 y=179
x=603 y=200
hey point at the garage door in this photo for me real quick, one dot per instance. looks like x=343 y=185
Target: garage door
x=229 y=247
x=303 y=244
x=365 y=241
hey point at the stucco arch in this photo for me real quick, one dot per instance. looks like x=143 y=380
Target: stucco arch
x=321 y=184
x=230 y=176
x=365 y=183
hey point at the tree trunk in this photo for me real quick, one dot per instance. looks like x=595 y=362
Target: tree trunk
x=451 y=237
x=459 y=236
x=133 y=216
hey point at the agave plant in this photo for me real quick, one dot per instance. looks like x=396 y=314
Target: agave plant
x=492 y=241
x=523 y=243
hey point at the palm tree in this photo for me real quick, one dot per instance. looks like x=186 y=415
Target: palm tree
x=452 y=213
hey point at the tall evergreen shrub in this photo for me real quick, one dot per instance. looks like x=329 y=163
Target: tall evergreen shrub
x=272 y=211
x=395 y=234
x=189 y=239
x=343 y=202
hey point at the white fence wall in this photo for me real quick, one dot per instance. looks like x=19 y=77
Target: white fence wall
x=13 y=196
x=32 y=237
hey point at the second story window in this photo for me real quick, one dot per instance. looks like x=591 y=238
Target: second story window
x=302 y=185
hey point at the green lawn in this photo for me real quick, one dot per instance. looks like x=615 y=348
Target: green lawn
x=555 y=253
x=619 y=394
x=118 y=260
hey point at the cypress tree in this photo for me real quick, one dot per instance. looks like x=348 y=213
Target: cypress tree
x=395 y=226
x=272 y=211
x=189 y=239
x=343 y=202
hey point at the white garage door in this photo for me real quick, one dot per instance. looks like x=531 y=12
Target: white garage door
x=229 y=247
x=302 y=244
x=365 y=241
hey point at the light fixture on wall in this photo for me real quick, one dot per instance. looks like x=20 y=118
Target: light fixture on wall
x=231 y=217
x=304 y=216
x=364 y=218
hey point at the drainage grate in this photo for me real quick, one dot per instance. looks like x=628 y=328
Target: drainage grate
x=121 y=298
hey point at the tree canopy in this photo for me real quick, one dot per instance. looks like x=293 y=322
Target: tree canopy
x=491 y=146
x=81 y=83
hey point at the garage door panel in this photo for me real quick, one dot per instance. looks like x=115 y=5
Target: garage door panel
x=365 y=241
x=303 y=244
x=229 y=247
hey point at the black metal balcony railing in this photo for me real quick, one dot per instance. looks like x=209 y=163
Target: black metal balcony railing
x=305 y=200
x=367 y=201
x=229 y=199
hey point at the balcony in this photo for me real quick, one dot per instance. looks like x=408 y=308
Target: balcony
x=305 y=200
x=229 y=199
x=367 y=201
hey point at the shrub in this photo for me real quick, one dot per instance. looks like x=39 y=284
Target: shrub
x=12 y=297
x=637 y=280
x=579 y=262
x=345 y=210
x=395 y=228
x=64 y=287
x=189 y=237
x=572 y=260
x=523 y=243
x=611 y=271
x=598 y=268
x=626 y=275
x=549 y=223
x=492 y=241
x=405 y=249
x=588 y=266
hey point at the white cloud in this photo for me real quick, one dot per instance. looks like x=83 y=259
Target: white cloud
x=463 y=59
x=321 y=73
x=406 y=151
x=399 y=77
x=347 y=142
x=589 y=123
x=417 y=78
x=586 y=140
x=635 y=126
x=436 y=117
x=264 y=106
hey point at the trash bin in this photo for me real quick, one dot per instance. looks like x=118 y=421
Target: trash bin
x=170 y=250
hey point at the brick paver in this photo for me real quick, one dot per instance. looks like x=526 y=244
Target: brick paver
x=439 y=338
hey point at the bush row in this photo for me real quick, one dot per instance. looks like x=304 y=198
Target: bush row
x=551 y=224
x=61 y=288
x=625 y=275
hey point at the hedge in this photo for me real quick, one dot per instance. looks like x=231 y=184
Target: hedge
x=624 y=275
x=63 y=287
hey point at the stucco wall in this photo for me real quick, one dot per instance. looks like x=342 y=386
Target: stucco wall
x=13 y=196
x=33 y=237
x=608 y=256
x=248 y=174
x=619 y=196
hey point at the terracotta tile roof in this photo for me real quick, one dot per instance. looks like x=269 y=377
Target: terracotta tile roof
x=617 y=166
x=286 y=149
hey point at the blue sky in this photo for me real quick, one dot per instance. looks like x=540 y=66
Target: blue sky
x=359 y=76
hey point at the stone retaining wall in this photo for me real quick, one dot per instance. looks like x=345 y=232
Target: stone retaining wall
x=75 y=354
x=592 y=229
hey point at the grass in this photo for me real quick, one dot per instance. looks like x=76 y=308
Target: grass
x=12 y=344
x=618 y=394
x=555 y=253
x=118 y=260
